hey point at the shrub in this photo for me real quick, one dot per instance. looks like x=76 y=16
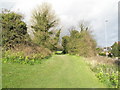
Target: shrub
x=116 y=49
x=102 y=54
x=14 y=29
x=26 y=53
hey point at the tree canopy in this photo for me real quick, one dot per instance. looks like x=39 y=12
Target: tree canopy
x=79 y=43
x=14 y=29
x=44 y=23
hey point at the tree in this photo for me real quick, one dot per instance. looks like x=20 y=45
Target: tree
x=44 y=18
x=65 y=41
x=44 y=22
x=116 y=49
x=53 y=42
x=14 y=30
x=79 y=42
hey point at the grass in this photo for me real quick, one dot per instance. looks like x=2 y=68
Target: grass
x=60 y=71
x=58 y=52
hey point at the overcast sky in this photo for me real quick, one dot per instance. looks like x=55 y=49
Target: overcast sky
x=71 y=12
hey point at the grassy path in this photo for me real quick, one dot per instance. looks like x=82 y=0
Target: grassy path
x=60 y=71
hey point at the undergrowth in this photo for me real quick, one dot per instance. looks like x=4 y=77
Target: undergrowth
x=107 y=74
x=19 y=57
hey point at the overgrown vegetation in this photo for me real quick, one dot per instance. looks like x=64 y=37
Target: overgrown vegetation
x=19 y=57
x=107 y=74
x=79 y=43
x=106 y=71
x=28 y=53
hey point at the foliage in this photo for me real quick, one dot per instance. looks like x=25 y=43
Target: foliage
x=65 y=41
x=102 y=53
x=79 y=43
x=53 y=42
x=116 y=49
x=26 y=53
x=99 y=50
x=14 y=30
x=44 y=18
x=107 y=74
x=59 y=47
x=44 y=22
x=20 y=57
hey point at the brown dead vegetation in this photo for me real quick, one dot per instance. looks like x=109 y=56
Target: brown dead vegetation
x=103 y=60
x=30 y=49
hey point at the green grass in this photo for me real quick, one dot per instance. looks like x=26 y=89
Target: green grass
x=60 y=71
x=58 y=52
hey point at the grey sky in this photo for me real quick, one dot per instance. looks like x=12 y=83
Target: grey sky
x=71 y=12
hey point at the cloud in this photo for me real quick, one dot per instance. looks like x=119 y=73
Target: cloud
x=72 y=11
x=6 y=4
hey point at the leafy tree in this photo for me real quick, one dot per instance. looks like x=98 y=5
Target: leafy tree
x=56 y=40
x=44 y=22
x=65 y=41
x=44 y=18
x=116 y=49
x=79 y=42
x=14 y=30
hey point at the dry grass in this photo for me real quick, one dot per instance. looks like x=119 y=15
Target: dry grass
x=102 y=60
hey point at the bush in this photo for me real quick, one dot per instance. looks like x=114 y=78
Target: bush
x=116 y=49
x=26 y=53
x=14 y=29
x=102 y=54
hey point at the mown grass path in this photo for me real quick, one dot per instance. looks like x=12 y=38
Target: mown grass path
x=60 y=71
